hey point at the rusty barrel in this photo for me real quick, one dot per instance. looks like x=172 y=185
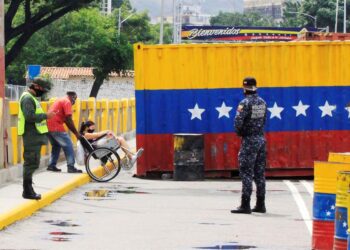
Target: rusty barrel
x=188 y=157
x=341 y=211
x=325 y=187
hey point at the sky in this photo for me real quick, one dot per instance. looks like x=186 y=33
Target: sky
x=211 y=7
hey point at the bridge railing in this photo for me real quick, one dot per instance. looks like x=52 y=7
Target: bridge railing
x=115 y=115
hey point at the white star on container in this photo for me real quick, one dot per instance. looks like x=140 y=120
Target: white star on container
x=301 y=109
x=348 y=109
x=275 y=111
x=328 y=213
x=345 y=224
x=196 y=112
x=332 y=207
x=224 y=110
x=327 y=109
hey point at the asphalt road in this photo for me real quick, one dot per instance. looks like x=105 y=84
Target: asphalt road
x=132 y=213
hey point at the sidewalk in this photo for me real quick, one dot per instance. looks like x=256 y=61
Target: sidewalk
x=50 y=185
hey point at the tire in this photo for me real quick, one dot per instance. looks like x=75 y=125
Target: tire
x=96 y=164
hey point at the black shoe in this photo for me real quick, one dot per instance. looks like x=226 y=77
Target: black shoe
x=74 y=170
x=260 y=205
x=28 y=191
x=53 y=169
x=244 y=208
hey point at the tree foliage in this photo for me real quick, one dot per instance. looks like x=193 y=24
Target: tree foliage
x=85 y=38
x=239 y=19
x=324 y=11
x=24 y=17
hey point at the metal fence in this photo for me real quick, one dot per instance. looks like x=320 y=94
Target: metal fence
x=14 y=92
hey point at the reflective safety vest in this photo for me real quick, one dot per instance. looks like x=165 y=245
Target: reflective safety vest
x=41 y=127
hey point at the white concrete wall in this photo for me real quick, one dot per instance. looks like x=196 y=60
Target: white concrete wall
x=117 y=88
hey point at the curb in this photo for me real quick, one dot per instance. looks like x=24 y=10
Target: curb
x=28 y=207
x=31 y=206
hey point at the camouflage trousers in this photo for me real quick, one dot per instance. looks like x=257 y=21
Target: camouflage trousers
x=31 y=156
x=252 y=163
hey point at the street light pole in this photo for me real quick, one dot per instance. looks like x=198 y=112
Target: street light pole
x=161 y=31
x=304 y=14
x=336 y=17
x=120 y=22
x=344 y=29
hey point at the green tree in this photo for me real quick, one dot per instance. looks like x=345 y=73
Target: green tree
x=155 y=33
x=239 y=19
x=324 y=11
x=24 y=17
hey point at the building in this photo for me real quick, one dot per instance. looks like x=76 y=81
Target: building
x=81 y=79
x=192 y=14
x=268 y=8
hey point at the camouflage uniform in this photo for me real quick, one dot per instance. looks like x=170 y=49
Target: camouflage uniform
x=249 y=124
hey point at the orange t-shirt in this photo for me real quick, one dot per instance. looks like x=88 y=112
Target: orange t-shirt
x=63 y=108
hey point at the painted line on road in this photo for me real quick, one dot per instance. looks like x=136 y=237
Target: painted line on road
x=301 y=205
x=308 y=187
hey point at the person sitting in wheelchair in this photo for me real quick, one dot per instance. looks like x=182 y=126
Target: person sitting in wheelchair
x=87 y=130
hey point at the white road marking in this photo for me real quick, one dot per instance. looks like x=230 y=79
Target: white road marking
x=301 y=205
x=308 y=187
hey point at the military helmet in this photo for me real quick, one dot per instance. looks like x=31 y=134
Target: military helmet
x=249 y=83
x=43 y=82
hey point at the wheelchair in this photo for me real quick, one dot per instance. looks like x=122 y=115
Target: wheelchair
x=102 y=161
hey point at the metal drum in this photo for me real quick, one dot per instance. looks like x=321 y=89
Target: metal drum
x=324 y=203
x=341 y=211
x=188 y=157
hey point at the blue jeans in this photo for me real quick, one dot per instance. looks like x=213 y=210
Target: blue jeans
x=60 y=140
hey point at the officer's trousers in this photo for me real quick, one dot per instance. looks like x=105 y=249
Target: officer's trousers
x=252 y=163
x=31 y=163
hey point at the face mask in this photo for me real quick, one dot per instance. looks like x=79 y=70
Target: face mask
x=39 y=92
x=91 y=130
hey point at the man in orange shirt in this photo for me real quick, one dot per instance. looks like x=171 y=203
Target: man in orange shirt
x=58 y=136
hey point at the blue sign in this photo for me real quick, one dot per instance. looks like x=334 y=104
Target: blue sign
x=33 y=71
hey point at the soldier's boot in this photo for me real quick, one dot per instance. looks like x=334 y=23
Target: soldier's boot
x=260 y=205
x=244 y=208
x=28 y=191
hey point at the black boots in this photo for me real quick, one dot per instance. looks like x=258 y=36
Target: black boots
x=28 y=191
x=260 y=205
x=74 y=170
x=244 y=208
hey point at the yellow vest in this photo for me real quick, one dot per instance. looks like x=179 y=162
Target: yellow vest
x=41 y=127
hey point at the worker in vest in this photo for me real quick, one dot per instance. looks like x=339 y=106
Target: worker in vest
x=33 y=128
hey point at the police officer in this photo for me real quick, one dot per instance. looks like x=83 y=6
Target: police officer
x=249 y=124
x=33 y=128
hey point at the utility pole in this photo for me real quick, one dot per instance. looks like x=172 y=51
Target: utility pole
x=177 y=21
x=3 y=151
x=2 y=51
x=336 y=17
x=344 y=17
x=161 y=31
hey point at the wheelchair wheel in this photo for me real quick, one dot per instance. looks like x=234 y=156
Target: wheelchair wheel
x=103 y=164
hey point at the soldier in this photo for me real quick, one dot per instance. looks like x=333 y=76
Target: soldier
x=33 y=128
x=249 y=124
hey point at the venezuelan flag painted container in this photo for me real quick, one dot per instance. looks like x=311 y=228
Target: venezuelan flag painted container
x=324 y=203
x=196 y=89
x=341 y=211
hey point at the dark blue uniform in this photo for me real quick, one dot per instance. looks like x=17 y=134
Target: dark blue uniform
x=249 y=124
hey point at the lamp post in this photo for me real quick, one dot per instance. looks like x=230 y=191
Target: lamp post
x=344 y=29
x=304 y=14
x=161 y=28
x=120 y=22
